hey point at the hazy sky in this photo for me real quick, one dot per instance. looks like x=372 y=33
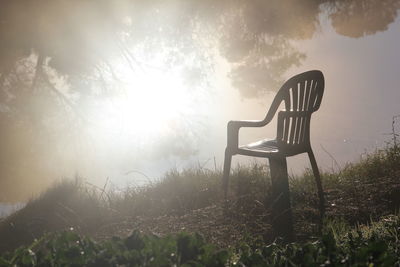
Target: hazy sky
x=362 y=94
x=95 y=115
x=362 y=77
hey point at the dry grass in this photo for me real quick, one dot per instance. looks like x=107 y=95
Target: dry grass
x=192 y=201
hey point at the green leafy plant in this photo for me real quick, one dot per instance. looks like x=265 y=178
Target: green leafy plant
x=376 y=244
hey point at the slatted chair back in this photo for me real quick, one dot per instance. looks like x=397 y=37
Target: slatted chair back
x=302 y=95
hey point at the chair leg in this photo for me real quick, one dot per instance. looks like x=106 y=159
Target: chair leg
x=282 y=221
x=227 y=169
x=317 y=176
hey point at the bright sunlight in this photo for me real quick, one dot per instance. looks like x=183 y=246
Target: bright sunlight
x=150 y=102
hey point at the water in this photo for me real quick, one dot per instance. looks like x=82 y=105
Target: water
x=7 y=208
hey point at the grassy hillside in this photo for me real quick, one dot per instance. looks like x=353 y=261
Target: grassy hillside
x=191 y=201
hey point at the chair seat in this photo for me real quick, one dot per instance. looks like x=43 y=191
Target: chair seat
x=261 y=148
x=301 y=96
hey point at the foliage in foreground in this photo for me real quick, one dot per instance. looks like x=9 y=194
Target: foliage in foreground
x=375 y=245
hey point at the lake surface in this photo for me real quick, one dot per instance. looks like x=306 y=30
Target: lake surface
x=6 y=208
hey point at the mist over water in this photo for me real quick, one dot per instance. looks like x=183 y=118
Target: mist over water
x=154 y=86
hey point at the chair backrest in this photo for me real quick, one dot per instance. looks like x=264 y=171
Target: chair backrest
x=302 y=95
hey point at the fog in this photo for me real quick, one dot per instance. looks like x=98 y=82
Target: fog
x=127 y=90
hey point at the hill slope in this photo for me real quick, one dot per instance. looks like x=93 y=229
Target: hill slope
x=191 y=201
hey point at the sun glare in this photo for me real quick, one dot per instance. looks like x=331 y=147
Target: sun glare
x=150 y=103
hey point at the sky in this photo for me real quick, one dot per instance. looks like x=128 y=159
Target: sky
x=154 y=118
x=361 y=97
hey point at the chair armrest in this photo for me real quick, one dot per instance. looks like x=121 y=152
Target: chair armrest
x=234 y=126
x=233 y=131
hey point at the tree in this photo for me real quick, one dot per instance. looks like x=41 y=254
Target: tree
x=58 y=55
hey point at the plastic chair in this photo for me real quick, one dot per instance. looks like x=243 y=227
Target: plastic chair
x=302 y=95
